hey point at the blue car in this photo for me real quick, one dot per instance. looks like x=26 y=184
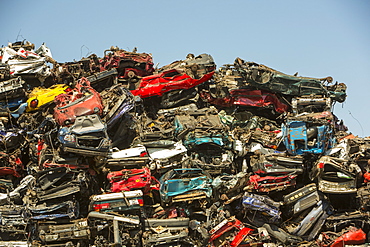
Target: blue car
x=187 y=184
x=207 y=140
x=14 y=106
x=301 y=137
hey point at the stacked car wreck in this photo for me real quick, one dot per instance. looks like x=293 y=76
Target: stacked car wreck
x=112 y=151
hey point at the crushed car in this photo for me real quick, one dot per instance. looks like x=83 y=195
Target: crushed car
x=80 y=101
x=181 y=185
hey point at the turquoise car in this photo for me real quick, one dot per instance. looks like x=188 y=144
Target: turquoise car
x=187 y=184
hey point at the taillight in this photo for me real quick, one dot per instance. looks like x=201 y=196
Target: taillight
x=34 y=103
x=98 y=207
x=68 y=89
x=18 y=161
x=143 y=154
x=320 y=165
x=141 y=202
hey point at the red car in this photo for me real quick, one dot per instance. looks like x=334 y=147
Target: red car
x=157 y=85
x=133 y=179
x=128 y=64
x=80 y=101
x=225 y=227
x=247 y=97
x=10 y=165
x=271 y=183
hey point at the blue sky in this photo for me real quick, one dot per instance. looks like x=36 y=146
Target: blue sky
x=315 y=38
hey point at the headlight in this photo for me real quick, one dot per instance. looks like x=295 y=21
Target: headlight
x=70 y=138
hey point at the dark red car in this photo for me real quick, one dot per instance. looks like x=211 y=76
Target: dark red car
x=80 y=101
x=128 y=64
x=157 y=85
x=10 y=165
x=247 y=97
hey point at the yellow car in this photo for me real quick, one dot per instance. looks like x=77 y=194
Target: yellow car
x=41 y=96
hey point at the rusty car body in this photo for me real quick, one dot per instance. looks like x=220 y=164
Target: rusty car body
x=80 y=101
x=186 y=184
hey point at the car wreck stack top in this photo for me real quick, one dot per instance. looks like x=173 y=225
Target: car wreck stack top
x=182 y=155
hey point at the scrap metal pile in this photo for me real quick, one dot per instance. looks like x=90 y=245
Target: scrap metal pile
x=113 y=151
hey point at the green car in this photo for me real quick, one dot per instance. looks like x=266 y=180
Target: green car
x=263 y=77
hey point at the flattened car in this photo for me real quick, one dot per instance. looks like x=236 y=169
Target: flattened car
x=195 y=66
x=132 y=179
x=129 y=65
x=185 y=184
x=263 y=77
x=80 y=101
x=120 y=201
x=334 y=175
x=87 y=136
x=12 y=88
x=312 y=136
x=42 y=96
x=247 y=97
x=157 y=85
